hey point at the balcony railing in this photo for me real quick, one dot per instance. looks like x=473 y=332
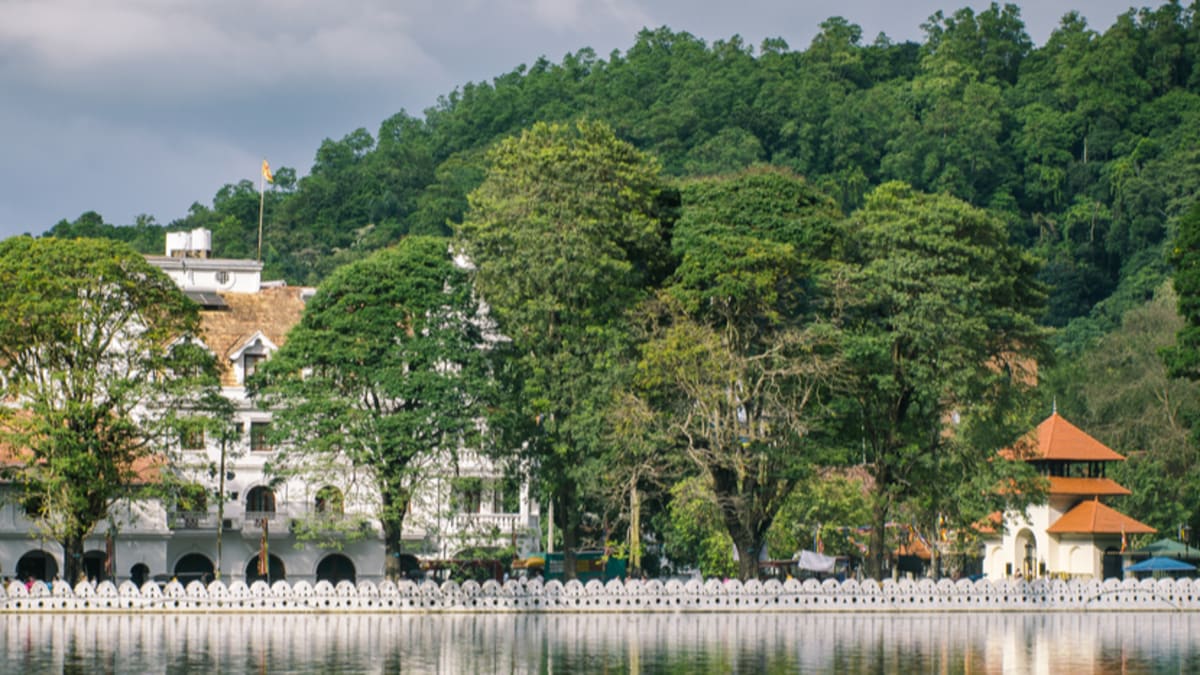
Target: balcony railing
x=507 y=523
x=252 y=524
x=192 y=520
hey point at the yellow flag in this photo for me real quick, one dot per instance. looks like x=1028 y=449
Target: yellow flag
x=267 y=172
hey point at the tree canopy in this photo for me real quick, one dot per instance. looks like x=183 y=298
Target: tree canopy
x=565 y=235
x=940 y=327
x=100 y=358
x=385 y=373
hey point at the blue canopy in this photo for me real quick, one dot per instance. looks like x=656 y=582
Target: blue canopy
x=1159 y=564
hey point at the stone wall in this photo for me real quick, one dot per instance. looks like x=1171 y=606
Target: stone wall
x=615 y=596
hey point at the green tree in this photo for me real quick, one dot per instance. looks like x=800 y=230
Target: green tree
x=942 y=328
x=736 y=357
x=565 y=235
x=98 y=351
x=1120 y=391
x=385 y=368
x=1183 y=360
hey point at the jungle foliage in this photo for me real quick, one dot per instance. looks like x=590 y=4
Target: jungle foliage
x=1067 y=168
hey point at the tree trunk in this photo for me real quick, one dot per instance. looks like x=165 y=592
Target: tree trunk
x=73 y=559
x=569 y=522
x=635 y=531
x=877 y=549
x=393 y=546
x=748 y=559
x=391 y=518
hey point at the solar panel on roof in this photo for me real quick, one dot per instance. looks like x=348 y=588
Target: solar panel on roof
x=206 y=299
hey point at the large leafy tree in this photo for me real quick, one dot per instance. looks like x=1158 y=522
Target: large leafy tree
x=941 y=328
x=385 y=369
x=98 y=353
x=566 y=236
x=736 y=356
x=1120 y=391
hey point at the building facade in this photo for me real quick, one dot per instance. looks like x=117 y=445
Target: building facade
x=309 y=528
x=1075 y=533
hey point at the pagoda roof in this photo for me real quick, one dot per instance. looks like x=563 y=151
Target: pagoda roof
x=1056 y=439
x=1092 y=517
x=1086 y=487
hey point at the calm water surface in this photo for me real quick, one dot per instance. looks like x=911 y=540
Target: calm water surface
x=679 y=643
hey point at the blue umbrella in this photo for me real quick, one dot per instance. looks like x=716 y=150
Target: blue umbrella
x=1158 y=564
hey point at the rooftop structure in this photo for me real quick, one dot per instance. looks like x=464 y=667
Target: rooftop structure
x=1074 y=533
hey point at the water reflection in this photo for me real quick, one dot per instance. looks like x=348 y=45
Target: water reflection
x=568 y=643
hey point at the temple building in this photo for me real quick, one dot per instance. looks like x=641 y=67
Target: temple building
x=1075 y=533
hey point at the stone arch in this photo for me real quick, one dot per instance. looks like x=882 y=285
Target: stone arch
x=336 y=567
x=139 y=574
x=275 y=570
x=260 y=499
x=193 y=567
x=95 y=564
x=37 y=564
x=329 y=499
x=1025 y=554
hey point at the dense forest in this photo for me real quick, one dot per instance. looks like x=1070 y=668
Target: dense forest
x=1085 y=147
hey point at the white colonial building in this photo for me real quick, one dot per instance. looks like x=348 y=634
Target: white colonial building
x=244 y=320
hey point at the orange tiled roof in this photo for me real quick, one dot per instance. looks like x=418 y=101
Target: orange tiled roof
x=1057 y=439
x=146 y=469
x=915 y=547
x=271 y=311
x=1092 y=517
x=1086 y=487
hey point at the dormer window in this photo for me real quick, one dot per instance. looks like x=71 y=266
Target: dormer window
x=250 y=363
x=246 y=357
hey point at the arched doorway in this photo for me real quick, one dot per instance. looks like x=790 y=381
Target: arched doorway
x=336 y=567
x=275 y=570
x=37 y=564
x=193 y=567
x=94 y=565
x=139 y=574
x=1026 y=554
x=260 y=500
x=1111 y=567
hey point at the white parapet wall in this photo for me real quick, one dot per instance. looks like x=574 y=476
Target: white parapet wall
x=615 y=596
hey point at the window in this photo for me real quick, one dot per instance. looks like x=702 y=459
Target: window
x=466 y=494
x=260 y=500
x=250 y=363
x=191 y=438
x=192 y=498
x=34 y=506
x=259 y=432
x=222 y=276
x=329 y=500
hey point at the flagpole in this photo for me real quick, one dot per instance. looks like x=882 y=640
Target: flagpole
x=262 y=192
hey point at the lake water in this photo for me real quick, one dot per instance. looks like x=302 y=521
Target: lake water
x=610 y=643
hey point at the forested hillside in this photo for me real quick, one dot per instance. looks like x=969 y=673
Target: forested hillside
x=1085 y=147
x=1084 y=143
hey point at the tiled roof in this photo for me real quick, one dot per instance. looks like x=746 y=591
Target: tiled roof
x=271 y=311
x=1086 y=487
x=147 y=469
x=1057 y=439
x=1092 y=517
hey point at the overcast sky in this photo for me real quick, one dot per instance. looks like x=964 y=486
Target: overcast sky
x=130 y=107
